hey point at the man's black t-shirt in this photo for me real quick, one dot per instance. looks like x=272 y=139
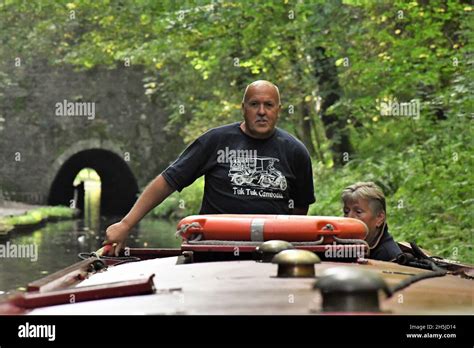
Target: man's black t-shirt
x=244 y=175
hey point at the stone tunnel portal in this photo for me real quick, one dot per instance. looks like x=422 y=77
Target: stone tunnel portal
x=119 y=186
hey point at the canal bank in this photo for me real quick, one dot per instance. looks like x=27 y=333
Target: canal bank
x=16 y=216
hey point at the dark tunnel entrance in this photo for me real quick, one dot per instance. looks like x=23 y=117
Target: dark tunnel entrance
x=119 y=187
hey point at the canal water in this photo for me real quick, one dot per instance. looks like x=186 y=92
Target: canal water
x=59 y=243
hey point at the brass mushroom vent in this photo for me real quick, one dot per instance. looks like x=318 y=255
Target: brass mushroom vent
x=267 y=250
x=350 y=289
x=296 y=263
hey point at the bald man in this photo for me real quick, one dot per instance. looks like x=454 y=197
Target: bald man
x=250 y=167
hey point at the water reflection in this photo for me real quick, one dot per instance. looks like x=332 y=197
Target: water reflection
x=92 y=191
x=87 y=192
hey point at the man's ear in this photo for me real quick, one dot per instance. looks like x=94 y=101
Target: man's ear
x=279 y=111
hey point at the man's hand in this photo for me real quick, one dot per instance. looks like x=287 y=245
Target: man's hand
x=153 y=195
x=117 y=235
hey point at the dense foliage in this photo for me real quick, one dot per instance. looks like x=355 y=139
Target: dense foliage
x=335 y=62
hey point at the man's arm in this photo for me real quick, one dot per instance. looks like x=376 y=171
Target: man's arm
x=300 y=210
x=155 y=193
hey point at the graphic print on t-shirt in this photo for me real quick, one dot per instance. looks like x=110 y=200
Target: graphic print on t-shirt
x=258 y=173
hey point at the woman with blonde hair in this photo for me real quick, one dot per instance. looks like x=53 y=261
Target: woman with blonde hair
x=365 y=201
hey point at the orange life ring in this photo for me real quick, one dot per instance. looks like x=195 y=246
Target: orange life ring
x=267 y=227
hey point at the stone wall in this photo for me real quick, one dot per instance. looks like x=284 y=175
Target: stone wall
x=35 y=141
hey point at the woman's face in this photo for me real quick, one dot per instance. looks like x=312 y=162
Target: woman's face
x=360 y=210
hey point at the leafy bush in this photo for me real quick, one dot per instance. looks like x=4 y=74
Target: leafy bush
x=184 y=203
x=427 y=183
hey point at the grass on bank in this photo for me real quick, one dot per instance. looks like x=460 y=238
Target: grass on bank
x=35 y=216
